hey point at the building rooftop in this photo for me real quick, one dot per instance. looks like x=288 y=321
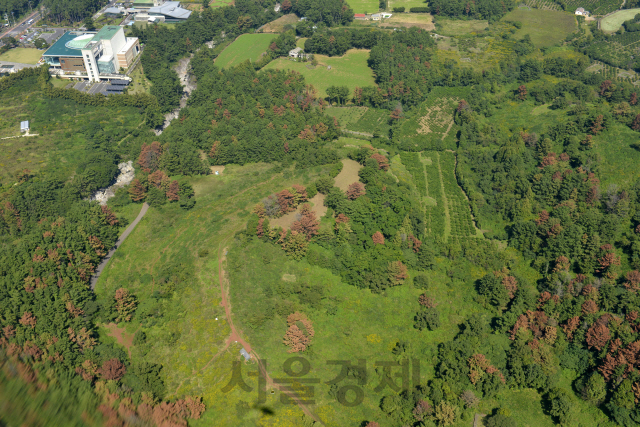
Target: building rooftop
x=107 y=32
x=63 y=48
x=171 y=9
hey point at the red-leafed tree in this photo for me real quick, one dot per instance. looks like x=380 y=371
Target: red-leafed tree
x=383 y=162
x=511 y=285
x=285 y=201
x=286 y=6
x=172 y=192
x=396 y=114
x=112 y=369
x=149 y=158
x=159 y=179
x=636 y=123
x=378 y=238
x=355 y=190
x=597 y=125
x=598 y=335
x=571 y=326
x=28 y=319
x=125 y=305
x=307 y=224
x=397 y=272
x=137 y=191
x=589 y=307
x=108 y=216
x=522 y=92
x=300 y=333
x=634 y=99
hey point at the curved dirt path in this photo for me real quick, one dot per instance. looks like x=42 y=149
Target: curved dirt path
x=105 y=260
x=236 y=336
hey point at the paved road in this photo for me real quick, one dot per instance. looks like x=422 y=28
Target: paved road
x=22 y=26
x=103 y=264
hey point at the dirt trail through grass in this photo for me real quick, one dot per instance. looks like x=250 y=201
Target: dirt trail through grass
x=105 y=260
x=236 y=336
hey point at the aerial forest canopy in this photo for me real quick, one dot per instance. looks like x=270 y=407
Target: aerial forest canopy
x=475 y=221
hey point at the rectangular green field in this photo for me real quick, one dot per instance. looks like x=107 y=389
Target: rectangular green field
x=546 y=27
x=246 y=47
x=455 y=27
x=407 y=4
x=219 y=3
x=22 y=55
x=349 y=70
x=364 y=6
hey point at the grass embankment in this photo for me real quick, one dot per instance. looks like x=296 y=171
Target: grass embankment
x=349 y=70
x=246 y=47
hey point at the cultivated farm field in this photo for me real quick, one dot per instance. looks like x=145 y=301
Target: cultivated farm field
x=277 y=26
x=408 y=4
x=349 y=70
x=613 y=22
x=246 y=47
x=420 y=20
x=364 y=6
x=546 y=27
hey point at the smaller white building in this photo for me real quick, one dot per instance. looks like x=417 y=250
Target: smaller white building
x=24 y=126
x=375 y=17
x=581 y=12
x=296 y=53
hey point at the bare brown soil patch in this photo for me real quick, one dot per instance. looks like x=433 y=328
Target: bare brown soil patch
x=420 y=20
x=348 y=175
x=218 y=169
x=277 y=26
x=289 y=277
x=124 y=338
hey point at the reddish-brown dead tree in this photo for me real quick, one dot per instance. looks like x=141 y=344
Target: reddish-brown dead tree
x=355 y=190
x=378 y=238
x=149 y=158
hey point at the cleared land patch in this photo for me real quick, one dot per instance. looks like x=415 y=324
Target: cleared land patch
x=546 y=27
x=22 y=55
x=277 y=26
x=451 y=27
x=246 y=47
x=408 y=4
x=438 y=117
x=349 y=70
x=219 y=3
x=364 y=6
x=120 y=334
x=420 y=20
x=614 y=21
x=348 y=175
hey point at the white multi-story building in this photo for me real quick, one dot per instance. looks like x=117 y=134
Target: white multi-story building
x=96 y=54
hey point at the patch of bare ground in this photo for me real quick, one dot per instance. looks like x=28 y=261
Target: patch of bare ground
x=124 y=338
x=286 y=221
x=438 y=116
x=348 y=175
x=277 y=26
x=218 y=169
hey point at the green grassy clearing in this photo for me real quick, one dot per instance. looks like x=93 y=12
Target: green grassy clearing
x=219 y=3
x=364 y=6
x=408 y=4
x=140 y=83
x=365 y=325
x=347 y=115
x=349 y=70
x=22 y=55
x=614 y=21
x=277 y=26
x=188 y=337
x=546 y=27
x=300 y=42
x=453 y=27
x=246 y=47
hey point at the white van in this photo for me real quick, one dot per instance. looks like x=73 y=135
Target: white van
x=30 y=21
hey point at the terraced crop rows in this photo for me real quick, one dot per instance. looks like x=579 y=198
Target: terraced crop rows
x=457 y=204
